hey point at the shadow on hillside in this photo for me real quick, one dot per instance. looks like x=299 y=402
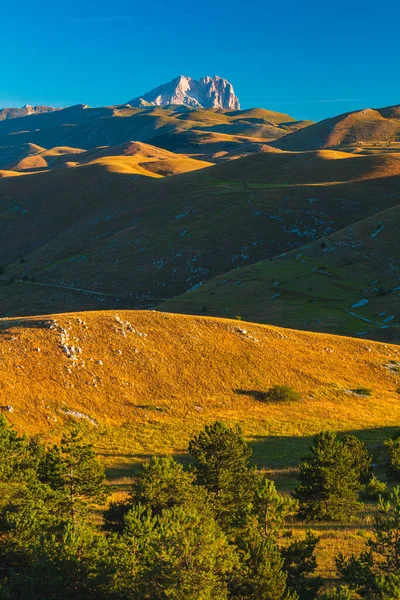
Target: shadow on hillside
x=6 y=325
x=278 y=455
x=256 y=394
x=285 y=452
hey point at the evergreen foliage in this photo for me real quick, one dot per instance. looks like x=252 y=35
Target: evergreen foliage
x=330 y=480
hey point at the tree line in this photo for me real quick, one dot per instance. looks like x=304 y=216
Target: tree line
x=218 y=530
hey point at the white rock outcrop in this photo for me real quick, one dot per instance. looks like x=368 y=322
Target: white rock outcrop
x=207 y=92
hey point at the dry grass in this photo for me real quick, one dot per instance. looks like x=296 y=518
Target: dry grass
x=150 y=393
x=130 y=158
x=348 y=131
x=151 y=380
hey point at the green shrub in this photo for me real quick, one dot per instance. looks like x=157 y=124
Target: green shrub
x=282 y=393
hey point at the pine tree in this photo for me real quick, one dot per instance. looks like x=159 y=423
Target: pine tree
x=392 y=447
x=389 y=587
x=260 y=575
x=222 y=467
x=163 y=483
x=16 y=462
x=361 y=457
x=363 y=573
x=182 y=554
x=271 y=508
x=329 y=481
x=74 y=469
x=64 y=566
x=300 y=564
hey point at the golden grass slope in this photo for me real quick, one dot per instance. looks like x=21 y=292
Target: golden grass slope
x=349 y=131
x=149 y=380
x=130 y=157
x=84 y=127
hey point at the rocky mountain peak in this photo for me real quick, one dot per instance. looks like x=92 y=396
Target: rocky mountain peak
x=207 y=92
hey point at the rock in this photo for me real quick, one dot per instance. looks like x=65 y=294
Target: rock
x=207 y=92
x=7 y=408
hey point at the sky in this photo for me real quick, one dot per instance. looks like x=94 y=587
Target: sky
x=311 y=59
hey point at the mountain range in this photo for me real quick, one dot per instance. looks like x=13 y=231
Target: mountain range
x=180 y=200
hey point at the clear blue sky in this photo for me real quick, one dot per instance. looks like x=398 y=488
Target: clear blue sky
x=311 y=58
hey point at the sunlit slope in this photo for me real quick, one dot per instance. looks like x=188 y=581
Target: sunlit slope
x=346 y=283
x=130 y=157
x=10 y=155
x=129 y=236
x=148 y=380
x=84 y=127
x=353 y=131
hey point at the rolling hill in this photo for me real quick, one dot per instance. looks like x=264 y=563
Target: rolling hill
x=143 y=382
x=131 y=237
x=361 y=130
x=84 y=127
x=130 y=157
x=346 y=283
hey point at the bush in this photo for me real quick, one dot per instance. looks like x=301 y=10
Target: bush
x=374 y=488
x=362 y=391
x=282 y=393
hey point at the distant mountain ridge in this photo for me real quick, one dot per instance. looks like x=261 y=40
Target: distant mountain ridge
x=24 y=111
x=207 y=92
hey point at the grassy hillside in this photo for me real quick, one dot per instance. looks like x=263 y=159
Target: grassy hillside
x=143 y=382
x=317 y=287
x=358 y=130
x=131 y=236
x=131 y=157
x=84 y=127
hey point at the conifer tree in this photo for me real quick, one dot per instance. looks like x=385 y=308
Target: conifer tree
x=329 y=481
x=370 y=570
x=222 y=467
x=74 y=469
x=16 y=462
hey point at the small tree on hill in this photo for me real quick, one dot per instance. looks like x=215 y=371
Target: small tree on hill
x=162 y=483
x=222 y=467
x=361 y=457
x=181 y=554
x=300 y=564
x=261 y=575
x=16 y=460
x=329 y=481
x=364 y=573
x=392 y=447
x=74 y=469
